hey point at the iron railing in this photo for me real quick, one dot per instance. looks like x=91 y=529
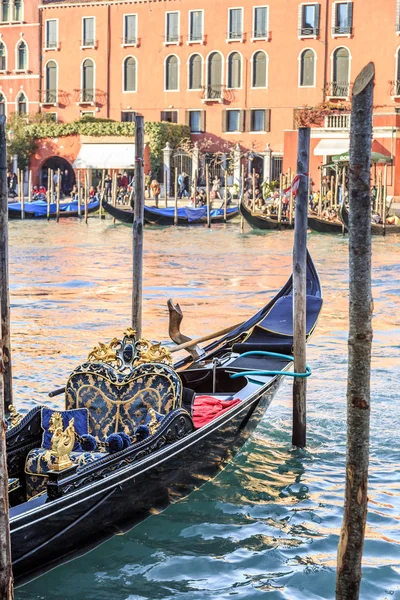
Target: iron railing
x=306 y=31
x=49 y=97
x=337 y=89
x=340 y=30
x=395 y=89
x=87 y=95
x=213 y=92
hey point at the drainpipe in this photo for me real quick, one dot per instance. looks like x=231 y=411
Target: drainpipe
x=40 y=57
x=326 y=48
x=108 y=58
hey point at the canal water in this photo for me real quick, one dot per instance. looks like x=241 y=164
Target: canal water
x=268 y=525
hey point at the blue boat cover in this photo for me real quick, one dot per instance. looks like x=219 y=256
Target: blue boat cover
x=191 y=214
x=39 y=208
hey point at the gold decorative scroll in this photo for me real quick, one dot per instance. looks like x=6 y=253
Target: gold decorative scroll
x=62 y=443
x=14 y=417
x=104 y=352
x=148 y=352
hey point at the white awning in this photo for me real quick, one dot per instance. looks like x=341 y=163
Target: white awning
x=105 y=156
x=332 y=147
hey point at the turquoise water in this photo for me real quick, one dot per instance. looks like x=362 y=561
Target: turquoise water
x=268 y=525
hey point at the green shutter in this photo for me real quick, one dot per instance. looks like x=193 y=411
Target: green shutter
x=267 y=119
x=224 y=118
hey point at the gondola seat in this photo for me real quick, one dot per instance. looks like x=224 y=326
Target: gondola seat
x=118 y=402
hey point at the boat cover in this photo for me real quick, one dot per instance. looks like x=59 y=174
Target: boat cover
x=191 y=214
x=39 y=208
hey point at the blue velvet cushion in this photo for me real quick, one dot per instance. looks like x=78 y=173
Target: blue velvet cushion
x=148 y=418
x=81 y=424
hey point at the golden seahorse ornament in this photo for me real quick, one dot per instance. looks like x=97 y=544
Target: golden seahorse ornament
x=62 y=442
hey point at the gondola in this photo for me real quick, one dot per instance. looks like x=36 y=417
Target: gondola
x=260 y=221
x=324 y=225
x=38 y=209
x=166 y=216
x=139 y=432
x=376 y=228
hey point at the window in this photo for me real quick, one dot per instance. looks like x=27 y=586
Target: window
x=307 y=68
x=195 y=120
x=234 y=70
x=172 y=27
x=50 y=94
x=259 y=71
x=130 y=74
x=260 y=22
x=52 y=116
x=342 y=18
x=233 y=121
x=195 y=72
x=309 y=19
x=341 y=73
x=259 y=120
x=130 y=30
x=87 y=113
x=2 y=105
x=51 y=34
x=276 y=167
x=5 y=10
x=171 y=73
x=235 y=22
x=18 y=10
x=22 y=56
x=170 y=116
x=128 y=116
x=22 y=104
x=195 y=26
x=3 y=57
x=87 y=91
x=214 y=76
x=88 y=32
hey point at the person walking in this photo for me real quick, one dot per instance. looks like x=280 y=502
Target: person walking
x=107 y=187
x=155 y=188
x=181 y=185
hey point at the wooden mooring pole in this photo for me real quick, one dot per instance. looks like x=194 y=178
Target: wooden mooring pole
x=348 y=574
x=6 y=577
x=138 y=220
x=300 y=289
x=58 y=192
x=176 y=198
x=208 y=197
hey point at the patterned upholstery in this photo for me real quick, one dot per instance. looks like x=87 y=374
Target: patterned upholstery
x=119 y=402
x=39 y=462
x=13 y=484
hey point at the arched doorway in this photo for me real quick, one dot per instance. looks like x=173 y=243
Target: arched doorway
x=67 y=173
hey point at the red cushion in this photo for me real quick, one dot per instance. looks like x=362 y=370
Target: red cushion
x=208 y=408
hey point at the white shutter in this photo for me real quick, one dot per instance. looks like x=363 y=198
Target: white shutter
x=397 y=16
x=333 y=16
x=300 y=18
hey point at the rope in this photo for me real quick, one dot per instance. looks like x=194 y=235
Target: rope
x=275 y=355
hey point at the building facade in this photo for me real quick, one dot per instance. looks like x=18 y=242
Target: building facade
x=235 y=72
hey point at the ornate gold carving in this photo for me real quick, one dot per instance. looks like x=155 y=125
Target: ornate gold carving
x=62 y=442
x=130 y=333
x=15 y=417
x=148 y=352
x=104 y=352
x=153 y=423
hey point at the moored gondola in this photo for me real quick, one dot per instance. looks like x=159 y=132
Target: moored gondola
x=323 y=225
x=138 y=432
x=260 y=221
x=166 y=216
x=38 y=210
x=376 y=228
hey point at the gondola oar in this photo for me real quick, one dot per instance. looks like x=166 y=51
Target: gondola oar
x=205 y=338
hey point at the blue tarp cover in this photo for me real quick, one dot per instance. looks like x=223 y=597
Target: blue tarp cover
x=191 y=214
x=39 y=208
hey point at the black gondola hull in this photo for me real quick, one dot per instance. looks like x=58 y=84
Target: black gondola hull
x=263 y=222
x=324 y=226
x=376 y=228
x=152 y=217
x=15 y=216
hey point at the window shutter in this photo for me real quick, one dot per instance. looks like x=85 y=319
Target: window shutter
x=267 y=120
x=163 y=115
x=333 y=16
x=300 y=18
x=350 y=15
x=248 y=121
x=187 y=117
x=203 y=121
x=241 y=120
x=224 y=117
x=317 y=17
x=397 y=15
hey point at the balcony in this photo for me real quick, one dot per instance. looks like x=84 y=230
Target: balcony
x=172 y=39
x=308 y=32
x=49 y=98
x=342 y=30
x=213 y=93
x=52 y=45
x=261 y=35
x=86 y=97
x=196 y=38
x=337 y=121
x=88 y=43
x=337 y=89
x=130 y=40
x=235 y=36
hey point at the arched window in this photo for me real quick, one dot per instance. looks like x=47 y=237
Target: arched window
x=307 y=68
x=130 y=74
x=22 y=104
x=195 y=72
x=341 y=72
x=2 y=105
x=51 y=82
x=259 y=71
x=3 y=57
x=214 y=75
x=234 y=70
x=87 y=92
x=22 y=56
x=18 y=10
x=171 y=73
x=5 y=10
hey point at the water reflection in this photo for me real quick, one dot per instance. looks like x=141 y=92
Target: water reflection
x=268 y=525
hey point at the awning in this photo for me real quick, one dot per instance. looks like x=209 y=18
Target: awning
x=331 y=147
x=105 y=156
x=376 y=157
